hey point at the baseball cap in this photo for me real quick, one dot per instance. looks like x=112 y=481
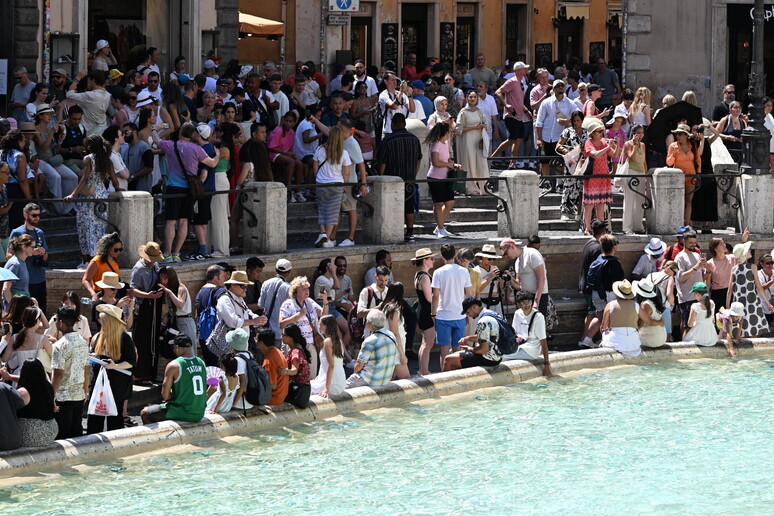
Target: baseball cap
x=183 y=79
x=283 y=265
x=209 y=64
x=182 y=340
x=519 y=65
x=418 y=85
x=115 y=74
x=468 y=302
x=226 y=267
x=60 y=71
x=204 y=130
x=557 y=82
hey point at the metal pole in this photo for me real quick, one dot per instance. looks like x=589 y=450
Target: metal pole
x=756 y=137
x=624 y=33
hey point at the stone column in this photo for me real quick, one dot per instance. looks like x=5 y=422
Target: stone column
x=386 y=224
x=668 y=201
x=757 y=193
x=132 y=217
x=228 y=25
x=521 y=191
x=265 y=219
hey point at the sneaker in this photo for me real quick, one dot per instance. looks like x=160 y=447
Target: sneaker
x=409 y=238
x=321 y=240
x=346 y=243
x=587 y=343
x=435 y=231
x=188 y=257
x=442 y=233
x=299 y=197
x=292 y=198
x=169 y=259
x=176 y=259
x=82 y=266
x=329 y=243
x=565 y=218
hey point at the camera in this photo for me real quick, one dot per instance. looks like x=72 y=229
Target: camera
x=260 y=311
x=505 y=276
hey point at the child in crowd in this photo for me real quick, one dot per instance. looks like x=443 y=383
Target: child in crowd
x=702 y=319
x=298 y=366
x=220 y=397
x=729 y=321
x=616 y=133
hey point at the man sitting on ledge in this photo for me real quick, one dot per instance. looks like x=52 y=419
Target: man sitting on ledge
x=377 y=357
x=484 y=351
x=184 y=391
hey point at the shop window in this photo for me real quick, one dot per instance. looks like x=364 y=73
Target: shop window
x=122 y=24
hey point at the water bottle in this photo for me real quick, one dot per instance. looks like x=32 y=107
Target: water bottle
x=85 y=300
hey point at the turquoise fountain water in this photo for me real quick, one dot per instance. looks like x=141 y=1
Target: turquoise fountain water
x=678 y=438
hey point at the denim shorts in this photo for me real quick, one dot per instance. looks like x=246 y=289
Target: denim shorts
x=449 y=333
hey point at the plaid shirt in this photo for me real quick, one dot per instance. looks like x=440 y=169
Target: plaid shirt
x=379 y=354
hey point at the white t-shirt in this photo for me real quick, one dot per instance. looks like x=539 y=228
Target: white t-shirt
x=527 y=262
x=376 y=300
x=300 y=148
x=155 y=94
x=372 y=89
x=647 y=264
x=533 y=335
x=389 y=113
x=419 y=111
x=330 y=172
x=489 y=107
x=242 y=369
x=211 y=84
x=451 y=280
x=284 y=104
x=118 y=166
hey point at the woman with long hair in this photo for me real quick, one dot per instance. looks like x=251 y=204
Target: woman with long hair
x=12 y=147
x=664 y=279
x=731 y=126
x=38 y=96
x=640 y=112
x=473 y=143
x=424 y=260
x=97 y=172
x=719 y=265
x=219 y=232
x=27 y=344
x=173 y=101
x=179 y=304
x=204 y=114
x=109 y=248
x=298 y=359
x=685 y=154
x=58 y=177
x=634 y=154
x=597 y=191
x=108 y=295
x=81 y=327
x=119 y=101
x=332 y=379
x=363 y=107
x=36 y=419
x=22 y=248
x=331 y=165
x=392 y=307
x=651 y=329
x=13 y=312
x=114 y=136
x=115 y=347
x=442 y=193
x=326 y=281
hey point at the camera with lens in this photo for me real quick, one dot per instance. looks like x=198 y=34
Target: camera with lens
x=505 y=276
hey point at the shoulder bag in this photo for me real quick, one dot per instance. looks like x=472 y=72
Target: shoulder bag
x=318 y=339
x=194 y=183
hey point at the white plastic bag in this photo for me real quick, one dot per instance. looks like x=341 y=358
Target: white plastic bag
x=102 y=402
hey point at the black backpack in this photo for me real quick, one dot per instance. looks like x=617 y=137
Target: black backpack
x=506 y=336
x=258 y=390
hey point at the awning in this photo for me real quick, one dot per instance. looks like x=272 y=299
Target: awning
x=577 y=10
x=256 y=26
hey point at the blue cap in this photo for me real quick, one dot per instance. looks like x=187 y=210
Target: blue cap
x=418 y=85
x=681 y=230
x=183 y=79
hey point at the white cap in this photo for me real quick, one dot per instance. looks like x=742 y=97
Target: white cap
x=245 y=70
x=519 y=65
x=100 y=45
x=283 y=265
x=204 y=130
x=209 y=64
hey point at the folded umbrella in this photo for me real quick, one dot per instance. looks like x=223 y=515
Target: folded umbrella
x=667 y=119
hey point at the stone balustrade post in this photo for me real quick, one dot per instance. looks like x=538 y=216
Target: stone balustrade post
x=264 y=222
x=668 y=194
x=132 y=217
x=756 y=193
x=386 y=224
x=521 y=191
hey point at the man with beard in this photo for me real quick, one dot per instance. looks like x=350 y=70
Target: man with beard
x=138 y=157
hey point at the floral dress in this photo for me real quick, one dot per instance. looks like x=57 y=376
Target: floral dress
x=597 y=190
x=90 y=227
x=572 y=187
x=303 y=376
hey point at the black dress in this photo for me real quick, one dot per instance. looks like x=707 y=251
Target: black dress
x=704 y=206
x=424 y=319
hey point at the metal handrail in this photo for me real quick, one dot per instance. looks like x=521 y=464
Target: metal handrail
x=490 y=187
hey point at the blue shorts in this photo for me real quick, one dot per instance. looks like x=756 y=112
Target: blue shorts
x=332 y=311
x=449 y=333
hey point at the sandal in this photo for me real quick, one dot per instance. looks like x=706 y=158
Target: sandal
x=128 y=423
x=143 y=383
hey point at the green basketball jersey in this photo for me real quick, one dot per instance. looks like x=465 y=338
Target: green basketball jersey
x=189 y=392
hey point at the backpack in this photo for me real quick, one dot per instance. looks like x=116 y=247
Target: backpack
x=258 y=389
x=506 y=336
x=357 y=324
x=208 y=318
x=594 y=277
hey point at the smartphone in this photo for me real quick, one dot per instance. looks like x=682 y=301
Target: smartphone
x=130 y=293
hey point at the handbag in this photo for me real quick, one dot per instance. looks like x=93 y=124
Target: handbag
x=316 y=337
x=623 y=169
x=585 y=166
x=102 y=402
x=194 y=183
x=55 y=160
x=298 y=395
x=217 y=342
x=457 y=174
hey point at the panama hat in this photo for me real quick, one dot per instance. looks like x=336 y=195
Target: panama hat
x=488 y=251
x=109 y=280
x=151 y=252
x=239 y=278
x=655 y=247
x=113 y=311
x=44 y=108
x=741 y=250
x=28 y=128
x=682 y=128
x=421 y=254
x=623 y=289
x=644 y=288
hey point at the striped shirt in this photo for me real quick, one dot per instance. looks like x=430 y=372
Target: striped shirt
x=400 y=151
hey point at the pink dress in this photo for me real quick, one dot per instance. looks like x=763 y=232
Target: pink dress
x=597 y=190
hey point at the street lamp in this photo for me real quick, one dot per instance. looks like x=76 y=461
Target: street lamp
x=756 y=138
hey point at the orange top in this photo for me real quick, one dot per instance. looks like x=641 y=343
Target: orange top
x=102 y=268
x=688 y=163
x=273 y=360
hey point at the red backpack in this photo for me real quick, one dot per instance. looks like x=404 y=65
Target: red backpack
x=357 y=324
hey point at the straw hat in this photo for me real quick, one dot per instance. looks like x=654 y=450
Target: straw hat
x=239 y=278
x=623 y=289
x=489 y=251
x=682 y=128
x=113 y=311
x=28 y=128
x=421 y=254
x=741 y=251
x=151 y=252
x=592 y=124
x=44 y=108
x=655 y=247
x=109 y=280
x=644 y=288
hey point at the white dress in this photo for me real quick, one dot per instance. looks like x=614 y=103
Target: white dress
x=703 y=332
x=653 y=336
x=339 y=380
x=228 y=401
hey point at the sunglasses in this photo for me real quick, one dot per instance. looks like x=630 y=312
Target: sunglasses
x=34 y=215
x=769 y=263
x=153 y=81
x=243 y=287
x=118 y=250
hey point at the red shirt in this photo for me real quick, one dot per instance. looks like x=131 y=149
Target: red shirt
x=302 y=377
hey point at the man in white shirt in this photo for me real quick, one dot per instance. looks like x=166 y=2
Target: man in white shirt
x=210 y=71
x=451 y=285
x=528 y=271
x=650 y=261
x=360 y=76
x=153 y=89
x=691 y=268
x=275 y=81
x=488 y=105
x=373 y=295
x=94 y=102
x=393 y=100
x=273 y=293
x=552 y=118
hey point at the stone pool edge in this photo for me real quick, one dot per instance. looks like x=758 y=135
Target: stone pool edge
x=143 y=439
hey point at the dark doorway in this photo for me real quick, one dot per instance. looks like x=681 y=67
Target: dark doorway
x=361 y=37
x=414 y=32
x=516 y=32
x=740 y=50
x=122 y=24
x=570 y=40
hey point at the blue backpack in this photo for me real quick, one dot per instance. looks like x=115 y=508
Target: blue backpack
x=208 y=318
x=506 y=336
x=594 y=277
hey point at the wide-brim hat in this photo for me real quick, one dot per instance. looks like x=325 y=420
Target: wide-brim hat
x=109 y=280
x=741 y=250
x=151 y=252
x=239 y=278
x=612 y=119
x=489 y=251
x=28 y=128
x=737 y=309
x=655 y=246
x=644 y=288
x=623 y=289
x=144 y=101
x=682 y=128
x=112 y=311
x=421 y=254
x=44 y=108
x=238 y=339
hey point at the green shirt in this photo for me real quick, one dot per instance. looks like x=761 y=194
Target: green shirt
x=189 y=392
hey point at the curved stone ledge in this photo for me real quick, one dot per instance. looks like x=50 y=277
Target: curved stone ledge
x=141 y=439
